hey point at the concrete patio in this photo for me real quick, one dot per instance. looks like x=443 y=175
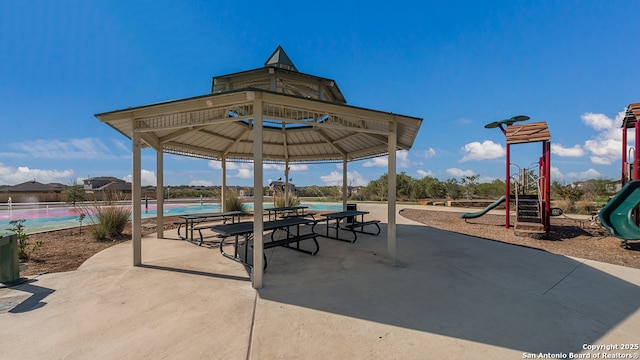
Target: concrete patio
x=451 y=296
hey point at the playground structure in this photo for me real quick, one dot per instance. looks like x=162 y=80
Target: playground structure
x=621 y=215
x=531 y=196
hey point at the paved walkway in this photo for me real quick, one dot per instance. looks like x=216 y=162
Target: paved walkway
x=451 y=296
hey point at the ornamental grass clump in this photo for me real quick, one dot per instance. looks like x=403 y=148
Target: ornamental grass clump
x=233 y=202
x=109 y=218
x=110 y=221
x=292 y=200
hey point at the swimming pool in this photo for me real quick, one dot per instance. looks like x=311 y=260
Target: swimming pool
x=55 y=218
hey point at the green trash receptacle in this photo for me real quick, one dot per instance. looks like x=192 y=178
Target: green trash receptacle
x=9 y=261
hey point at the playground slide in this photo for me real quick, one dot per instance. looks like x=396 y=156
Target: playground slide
x=473 y=215
x=616 y=215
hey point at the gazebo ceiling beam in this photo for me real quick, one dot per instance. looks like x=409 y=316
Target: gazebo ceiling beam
x=236 y=141
x=328 y=125
x=151 y=140
x=179 y=133
x=330 y=142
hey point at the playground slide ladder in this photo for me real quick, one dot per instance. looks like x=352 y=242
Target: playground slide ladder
x=528 y=215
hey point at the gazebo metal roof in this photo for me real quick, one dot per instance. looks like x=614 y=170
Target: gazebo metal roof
x=269 y=114
x=305 y=119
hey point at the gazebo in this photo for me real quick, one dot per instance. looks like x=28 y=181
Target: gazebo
x=272 y=114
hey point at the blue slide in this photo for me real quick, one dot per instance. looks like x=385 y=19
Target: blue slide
x=616 y=216
x=473 y=215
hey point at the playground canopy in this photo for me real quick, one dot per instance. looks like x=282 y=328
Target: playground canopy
x=272 y=114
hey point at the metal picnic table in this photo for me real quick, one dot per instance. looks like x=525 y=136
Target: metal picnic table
x=245 y=229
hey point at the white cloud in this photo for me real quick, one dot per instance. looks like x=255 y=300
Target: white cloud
x=335 y=178
x=584 y=175
x=201 y=183
x=382 y=161
x=12 y=176
x=244 y=174
x=423 y=173
x=428 y=153
x=606 y=146
x=597 y=121
x=559 y=150
x=87 y=148
x=459 y=172
x=243 y=170
x=482 y=151
x=556 y=174
x=604 y=151
x=148 y=178
x=402 y=160
x=280 y=167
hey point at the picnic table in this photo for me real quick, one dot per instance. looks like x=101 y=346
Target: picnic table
x=285 y=211
x=191 y=220
x=353 y=220
x=289 y=226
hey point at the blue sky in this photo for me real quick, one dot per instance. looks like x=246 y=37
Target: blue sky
x=457 y=64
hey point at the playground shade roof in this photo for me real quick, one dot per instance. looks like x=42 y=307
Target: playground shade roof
x=526 y=133
x=631 y=116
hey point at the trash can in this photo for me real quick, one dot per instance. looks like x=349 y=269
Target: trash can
x=9 y=261
x=350 y=207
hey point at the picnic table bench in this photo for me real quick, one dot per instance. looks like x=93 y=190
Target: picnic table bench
x=351 y=224
x=285 y=211
x=190 y=220
x=289 y=226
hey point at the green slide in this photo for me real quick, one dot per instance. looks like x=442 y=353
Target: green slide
x=616 y=215
x=476 y=214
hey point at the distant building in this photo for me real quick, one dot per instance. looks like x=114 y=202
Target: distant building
x=277 y=187
x=32 y=191
x=106 y=185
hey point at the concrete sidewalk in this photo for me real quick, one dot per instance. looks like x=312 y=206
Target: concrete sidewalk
x=451 y=296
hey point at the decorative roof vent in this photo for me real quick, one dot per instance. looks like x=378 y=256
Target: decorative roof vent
x=279 y=59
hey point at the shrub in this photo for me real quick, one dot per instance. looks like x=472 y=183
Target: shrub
x=110 y=221
x=109 y=218
x=24 y=247
x=279 y=200
x=232 y=202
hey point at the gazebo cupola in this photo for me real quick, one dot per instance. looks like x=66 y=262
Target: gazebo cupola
x=279 y=74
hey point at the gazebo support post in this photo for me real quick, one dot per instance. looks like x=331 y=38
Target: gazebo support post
x=223 y=188
x=258 y=207
x=159 y=194
x=136 y=195
x=391 y=203
x=345 y=194
x=286 y=182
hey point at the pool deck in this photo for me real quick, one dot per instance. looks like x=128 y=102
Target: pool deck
x=450 y=296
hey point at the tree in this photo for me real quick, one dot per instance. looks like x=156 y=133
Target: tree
x=453 y=188
x=403 y=185
x=74 y=193
x=470 y=185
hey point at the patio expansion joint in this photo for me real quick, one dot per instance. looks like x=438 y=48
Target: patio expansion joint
x=252 y=327
x=563 y=278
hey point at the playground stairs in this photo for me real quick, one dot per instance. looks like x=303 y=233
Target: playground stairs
x=529 y=216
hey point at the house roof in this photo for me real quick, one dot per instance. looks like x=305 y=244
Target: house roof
x=32 y=186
